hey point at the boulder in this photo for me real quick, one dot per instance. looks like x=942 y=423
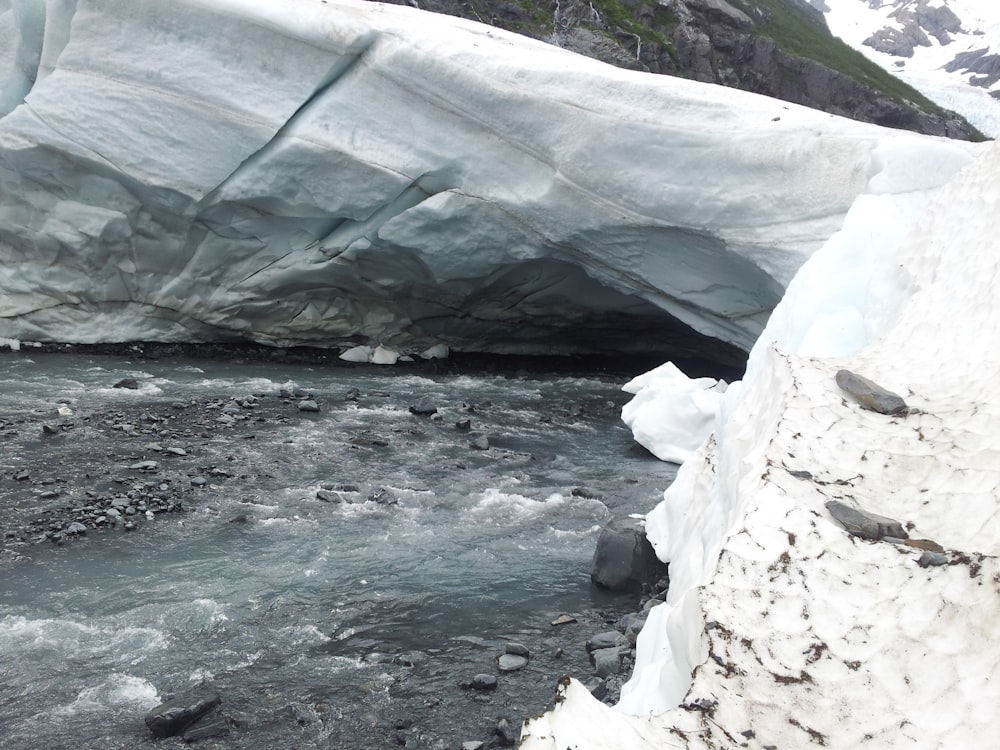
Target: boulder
x=174 y=716
x=624 y=559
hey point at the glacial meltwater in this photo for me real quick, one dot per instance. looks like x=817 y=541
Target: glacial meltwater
x=337 y=579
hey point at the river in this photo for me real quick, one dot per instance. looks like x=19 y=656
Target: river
x=341 y=581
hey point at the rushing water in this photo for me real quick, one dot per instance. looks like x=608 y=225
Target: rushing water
x=302 y=615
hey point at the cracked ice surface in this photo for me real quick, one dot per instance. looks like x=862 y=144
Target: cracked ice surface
x=348 y=173
x=781 y=629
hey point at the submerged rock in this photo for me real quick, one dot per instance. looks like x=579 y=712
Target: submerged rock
x=424 y=407
x=174 y=716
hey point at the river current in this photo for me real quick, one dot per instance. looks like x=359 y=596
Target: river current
x=316 y=620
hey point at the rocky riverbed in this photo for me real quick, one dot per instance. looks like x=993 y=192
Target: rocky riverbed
x=77 y=473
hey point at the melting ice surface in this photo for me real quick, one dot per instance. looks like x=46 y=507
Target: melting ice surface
x=289 y=609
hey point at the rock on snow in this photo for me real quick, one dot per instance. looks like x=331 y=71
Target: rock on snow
x=342 y=173
x=781 y=628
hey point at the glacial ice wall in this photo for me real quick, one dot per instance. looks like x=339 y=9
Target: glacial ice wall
x=339 y=173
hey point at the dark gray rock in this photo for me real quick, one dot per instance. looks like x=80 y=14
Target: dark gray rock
x=506 y=736
x=383 y=496
x=130 y=383
x=518 y=649
x=174 y=716
x=511 y=662
x=597 y=687
x=624 y=559
x=423 y=408
x=484 y=682
x=932 y=559
x=607 y=661
x=870 y=395
x=209 y=726
x=863 y=524
x=463 y=425
x=607 y=639
x=328 y=496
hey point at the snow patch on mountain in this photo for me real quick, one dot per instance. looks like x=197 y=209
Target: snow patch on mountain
x=949 y=50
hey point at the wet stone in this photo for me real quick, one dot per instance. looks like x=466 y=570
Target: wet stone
x=308 y=405
x=423 y=408
x=480 y=443
x=511 y=662
x=607 y=661
x=607 y=639
x=174 y=716
x=484 y=682
x=518 y=649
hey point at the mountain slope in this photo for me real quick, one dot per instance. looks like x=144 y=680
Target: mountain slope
x=949 y=49
x=779 y=48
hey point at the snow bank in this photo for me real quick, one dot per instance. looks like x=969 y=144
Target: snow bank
x=780 y=628
x=671 y=414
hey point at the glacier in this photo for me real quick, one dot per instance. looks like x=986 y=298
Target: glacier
x=346 y=174
x=382 y=180
x=780 y=629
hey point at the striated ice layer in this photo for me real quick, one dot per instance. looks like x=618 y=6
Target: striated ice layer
x=348 y=173
x=781 y=629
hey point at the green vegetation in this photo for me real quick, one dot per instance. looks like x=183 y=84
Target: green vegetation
x=616 y=13
x=795 y=30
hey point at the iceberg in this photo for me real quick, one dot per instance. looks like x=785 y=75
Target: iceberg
x=347 y=174
x=781 y=628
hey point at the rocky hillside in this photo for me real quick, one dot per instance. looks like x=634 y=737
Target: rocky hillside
x=780 y=48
